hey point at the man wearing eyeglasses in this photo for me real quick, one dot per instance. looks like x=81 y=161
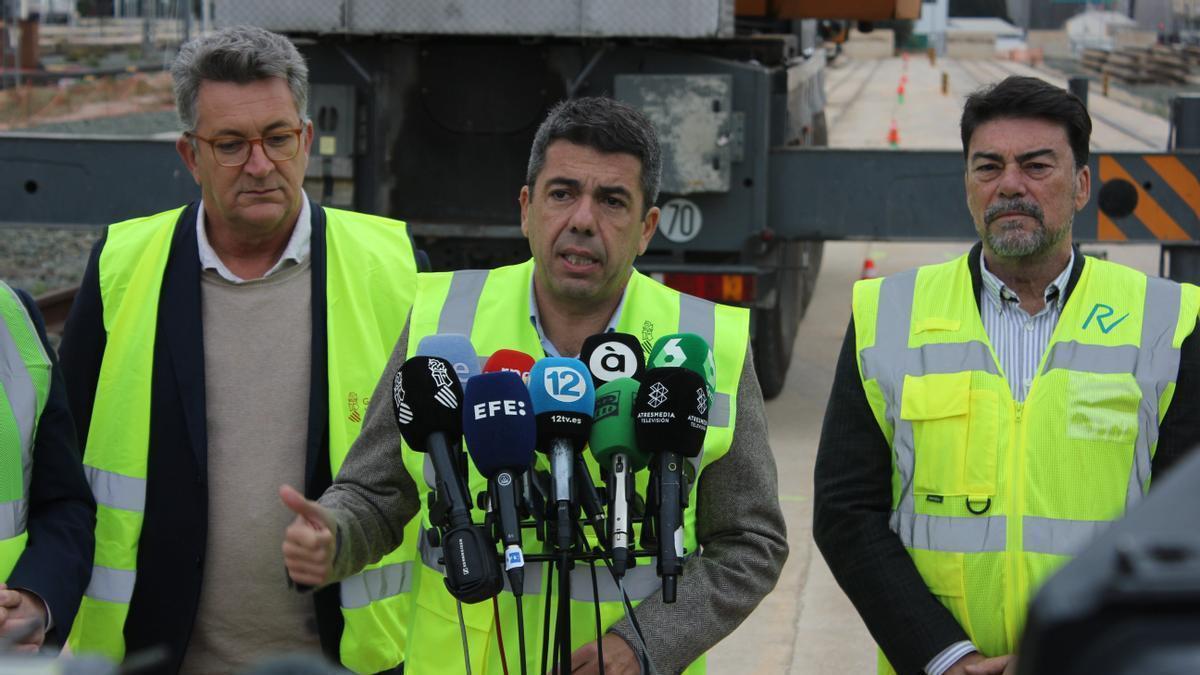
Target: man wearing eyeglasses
x=215 y=351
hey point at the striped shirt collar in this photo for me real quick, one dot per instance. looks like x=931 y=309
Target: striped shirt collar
x=296 y=251
x=1004 y=296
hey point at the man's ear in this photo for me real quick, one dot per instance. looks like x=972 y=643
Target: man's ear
x=649 y=225
x=523 y=200
x=1083 y=186
x=187 y=152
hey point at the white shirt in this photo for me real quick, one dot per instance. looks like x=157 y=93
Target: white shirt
x=296 y=251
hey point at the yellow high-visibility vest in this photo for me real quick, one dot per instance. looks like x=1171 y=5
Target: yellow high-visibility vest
x=991 y=496
x=370 y=281
x=24 y=387
x=492 y=309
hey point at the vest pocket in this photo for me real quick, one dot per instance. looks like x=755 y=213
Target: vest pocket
x=1102 y=407
x=955 y=435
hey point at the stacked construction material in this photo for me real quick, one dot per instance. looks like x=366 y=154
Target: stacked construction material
x=1157 y=64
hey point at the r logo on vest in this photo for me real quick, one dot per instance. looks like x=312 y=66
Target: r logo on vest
x=1101 y=313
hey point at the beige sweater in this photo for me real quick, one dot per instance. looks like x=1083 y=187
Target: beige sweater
x=257 y=368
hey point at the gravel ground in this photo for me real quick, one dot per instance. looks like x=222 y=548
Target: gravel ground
x=138 y=124
x=40 y=259
x=45 y=259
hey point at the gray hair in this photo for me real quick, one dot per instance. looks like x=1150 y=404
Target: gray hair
x=239 y=54
x=605 y=125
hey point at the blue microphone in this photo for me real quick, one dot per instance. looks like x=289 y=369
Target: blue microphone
x=563 y=401
x=499 y=427
x=455 y=348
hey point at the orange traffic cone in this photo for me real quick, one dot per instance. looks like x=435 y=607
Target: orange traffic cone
x=893 y=135
x=868 y=269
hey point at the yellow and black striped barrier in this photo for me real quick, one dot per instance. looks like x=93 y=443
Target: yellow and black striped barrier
x=1143 y=197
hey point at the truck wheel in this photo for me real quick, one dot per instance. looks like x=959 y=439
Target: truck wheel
x=775 y=328
x=772 y=352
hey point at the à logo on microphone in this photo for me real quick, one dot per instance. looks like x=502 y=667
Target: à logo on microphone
x=612 y=360
x=506 y=407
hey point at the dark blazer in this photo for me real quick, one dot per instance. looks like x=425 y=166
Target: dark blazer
x=853 y=498
x=57 y=561
x=171 y=551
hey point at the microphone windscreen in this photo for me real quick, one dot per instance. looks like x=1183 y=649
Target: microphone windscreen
x=685 y=350
x=455 y=348
x=670 y=411
x=612 y=355
x=498 y=423
x=427 y=399
x=563 y=399
x=510 y=360
x=612 y=427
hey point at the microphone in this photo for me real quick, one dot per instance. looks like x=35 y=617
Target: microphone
x=500 y=432
x=455 y=348
x=427 y=401
x=610 y=356
x=685 y=350
x=563 y=402
x=614 y=445
x=510 y=360
x=670 y=420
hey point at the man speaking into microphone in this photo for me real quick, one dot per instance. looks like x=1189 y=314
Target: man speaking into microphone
x=588 y=211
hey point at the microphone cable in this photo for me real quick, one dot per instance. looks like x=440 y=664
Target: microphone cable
x=546 y=615
x=599 y=621
x=462 y=629
x=521 y=631
x=637 y=629
x=499 y=633
x=595 y=591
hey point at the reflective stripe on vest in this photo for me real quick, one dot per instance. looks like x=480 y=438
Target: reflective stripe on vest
x=370 y=280
x=24 y=388
x=492 y=309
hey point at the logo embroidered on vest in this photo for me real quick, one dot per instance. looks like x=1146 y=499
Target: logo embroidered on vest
x=647 y=336
x=352 y=403
x=1101 y=313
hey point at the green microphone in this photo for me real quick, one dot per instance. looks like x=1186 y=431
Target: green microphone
x=685 y=350
x=615 y=447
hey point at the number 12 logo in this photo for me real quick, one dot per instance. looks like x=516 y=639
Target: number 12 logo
x=564 y=384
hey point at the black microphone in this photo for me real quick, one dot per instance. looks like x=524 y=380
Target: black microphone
x=427 y=400
x=670 y=420
x=611 y=356
x=500 y=432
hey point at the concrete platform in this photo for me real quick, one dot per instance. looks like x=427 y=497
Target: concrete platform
x=863 y=101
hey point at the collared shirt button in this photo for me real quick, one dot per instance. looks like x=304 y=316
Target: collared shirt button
x=1029 y=325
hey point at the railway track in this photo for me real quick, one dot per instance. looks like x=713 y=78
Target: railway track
x=55 y=306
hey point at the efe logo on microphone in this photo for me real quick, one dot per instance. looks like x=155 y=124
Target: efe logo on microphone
x=507 y=407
